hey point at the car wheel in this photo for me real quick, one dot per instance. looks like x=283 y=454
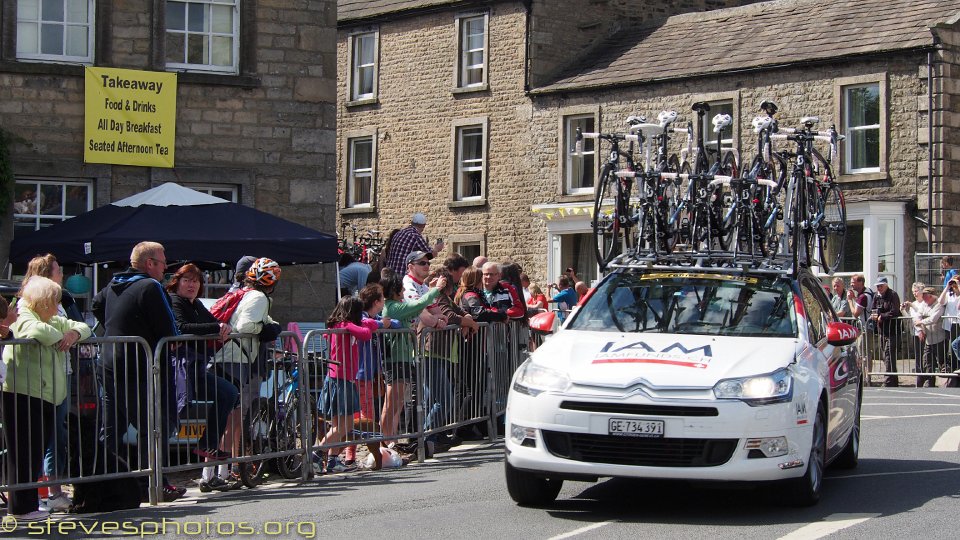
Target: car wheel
x=527 y=489
x=849 y=457
x=805 y=491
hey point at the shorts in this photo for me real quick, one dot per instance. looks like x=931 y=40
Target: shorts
x=397 y=372
x=338 y=397
x=239 y=375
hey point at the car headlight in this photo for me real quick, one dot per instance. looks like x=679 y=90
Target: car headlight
x=534 y=379
x=776 y=387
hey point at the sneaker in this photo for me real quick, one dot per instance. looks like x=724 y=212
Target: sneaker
x=233 y=480
x=214 y=484
x=29 y=517
x=211 y=453
x=56 y=503
x=170 y=494
x=337 y=466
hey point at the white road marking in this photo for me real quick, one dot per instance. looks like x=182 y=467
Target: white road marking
x=948 y=442
x=829 y=525
x=872 y=417
x=581 y=530
x=891 y=473
x=913 y=404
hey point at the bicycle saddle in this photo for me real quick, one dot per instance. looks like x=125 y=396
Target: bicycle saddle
x=634 y=120
x=721 y=121
x=648 y=130
x=761 y=123
x=809 y=121
x=666 y=118
x=701 y=107
x=768 y=107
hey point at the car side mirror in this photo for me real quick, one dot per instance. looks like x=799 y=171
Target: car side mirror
x=840 y=333
x=543 y=322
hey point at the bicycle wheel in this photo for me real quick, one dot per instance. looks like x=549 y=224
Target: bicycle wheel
x=607 y=233
x=259 y=423
x=729 y=166
x=646 y=234
x=832 y=228
x=669 y=217
x=289 y=438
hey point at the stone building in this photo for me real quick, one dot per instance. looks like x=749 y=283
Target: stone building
x=255 y=111
x=466 y=110
x=434 y=113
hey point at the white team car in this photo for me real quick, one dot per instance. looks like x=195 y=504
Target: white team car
x=689 y=374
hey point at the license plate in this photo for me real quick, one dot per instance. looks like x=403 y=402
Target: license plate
x=625 y=427
x=191 y=431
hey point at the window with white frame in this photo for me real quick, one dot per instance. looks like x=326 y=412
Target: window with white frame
x=360 y=181
x=581 y=169
x=469 y=250
x=363 y=71
x=470 y=150
x=861 y=124
x=203 y=35
x=39 y=203
x=55 y=30
x=726 y=136
x=472 y=51
x=227 y=193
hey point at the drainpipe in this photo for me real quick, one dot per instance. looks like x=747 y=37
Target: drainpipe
x=930 y=153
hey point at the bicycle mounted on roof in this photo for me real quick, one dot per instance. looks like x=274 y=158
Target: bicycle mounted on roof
x=763 y=214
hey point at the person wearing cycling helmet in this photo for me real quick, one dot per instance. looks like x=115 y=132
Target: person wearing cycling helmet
x=238 y=361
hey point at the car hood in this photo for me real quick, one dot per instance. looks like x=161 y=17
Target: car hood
x=664 y=360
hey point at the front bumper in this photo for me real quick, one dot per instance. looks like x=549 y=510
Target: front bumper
x=704 y=439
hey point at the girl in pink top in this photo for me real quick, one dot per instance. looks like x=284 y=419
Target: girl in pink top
x=339 y=399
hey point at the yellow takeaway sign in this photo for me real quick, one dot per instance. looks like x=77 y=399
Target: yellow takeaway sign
x=130 y=117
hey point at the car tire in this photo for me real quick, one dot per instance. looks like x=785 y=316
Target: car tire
x=849 y=457
x=806 y=490
x=528 y=489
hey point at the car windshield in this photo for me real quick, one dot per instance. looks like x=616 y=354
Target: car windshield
x=690 y=303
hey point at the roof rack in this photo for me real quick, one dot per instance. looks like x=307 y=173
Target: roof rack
x=711 y=260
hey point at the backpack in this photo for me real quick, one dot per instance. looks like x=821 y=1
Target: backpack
x=871 y=300
x=224 y=307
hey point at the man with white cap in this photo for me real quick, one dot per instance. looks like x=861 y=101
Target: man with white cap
x=408 y=240
x=886 y=310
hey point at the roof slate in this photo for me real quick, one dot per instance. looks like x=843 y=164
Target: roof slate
x=758 y=35
x=362 y=9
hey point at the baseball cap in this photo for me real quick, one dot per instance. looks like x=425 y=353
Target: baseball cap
x=417 y=255
x=882 y=281
x=244 y=264
x=419 y=219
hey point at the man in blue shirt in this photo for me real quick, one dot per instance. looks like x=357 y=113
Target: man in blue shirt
x=947 y=269
x=565 y=298
x=353 y=274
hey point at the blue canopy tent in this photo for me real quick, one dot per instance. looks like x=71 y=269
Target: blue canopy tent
x=192 y=226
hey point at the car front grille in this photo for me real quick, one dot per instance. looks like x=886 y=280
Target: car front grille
x=641 y=409
x=638 y=451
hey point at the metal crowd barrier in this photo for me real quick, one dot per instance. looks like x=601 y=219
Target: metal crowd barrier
x=96 y=393
x=150 y=415
x=898 y=351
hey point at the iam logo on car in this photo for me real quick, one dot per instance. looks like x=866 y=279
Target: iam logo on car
x=641 y=352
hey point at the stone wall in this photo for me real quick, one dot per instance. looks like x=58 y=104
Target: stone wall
x=271 y=130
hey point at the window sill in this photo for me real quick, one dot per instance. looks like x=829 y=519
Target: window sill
x=863 y=177
x=217 y=79
x=482 y=201
x=471 y=89
x=575 y=198
x=358 y=210
x=39 y=67
x=362 y=102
